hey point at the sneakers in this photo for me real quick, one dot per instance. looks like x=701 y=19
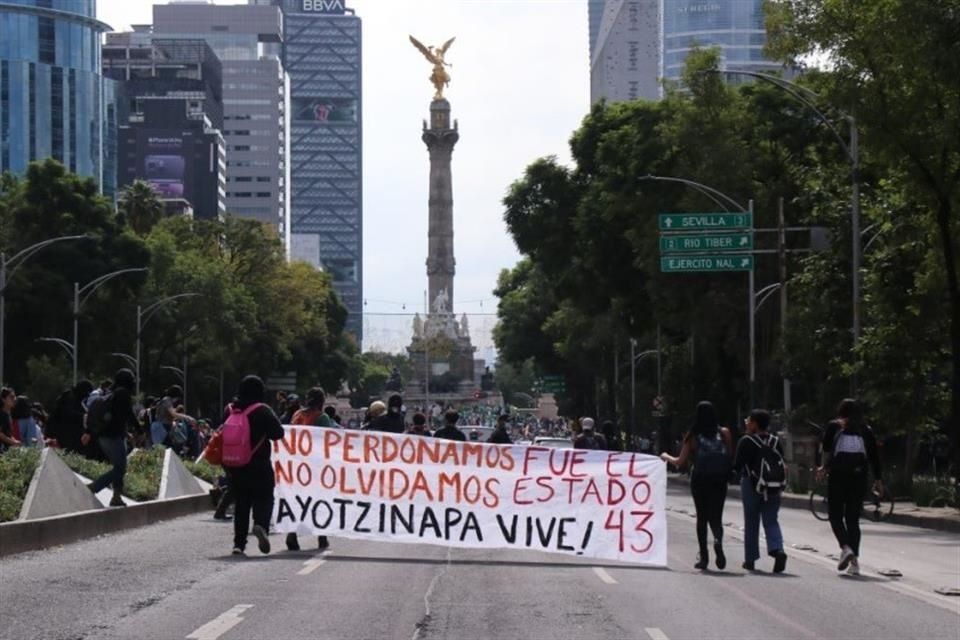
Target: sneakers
x=748 y=565
x=237 y=551
x=846 y=557
x=117 y=500
x=322 y=543
x=854 y=568
x=263 y=542
x=292 y=543
x=780 y=561
x=721 y=558
x=702 y=562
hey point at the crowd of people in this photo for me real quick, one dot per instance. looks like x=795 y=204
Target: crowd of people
x=849 y=456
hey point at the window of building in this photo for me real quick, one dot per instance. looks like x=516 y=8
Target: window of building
x=243 y=179
x=264 y=179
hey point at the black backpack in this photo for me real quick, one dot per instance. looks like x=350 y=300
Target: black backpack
x=770 y=474
x=100 y=414
x=849 y=452
x=712 y=458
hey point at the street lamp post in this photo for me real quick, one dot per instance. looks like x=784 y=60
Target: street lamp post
x=144 y=316
x=182 y=376
x=80 y=297
x=851 y=148
x=7 y=269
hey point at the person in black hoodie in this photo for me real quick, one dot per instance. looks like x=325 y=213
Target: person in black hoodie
x=392 y=420
x=66 y=421
x=252 y=485
x=108 y=419
x=849 y=453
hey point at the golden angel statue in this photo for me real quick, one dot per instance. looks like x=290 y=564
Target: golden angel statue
x=440 y=78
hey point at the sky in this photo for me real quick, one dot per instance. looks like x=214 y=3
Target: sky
x=520 y=87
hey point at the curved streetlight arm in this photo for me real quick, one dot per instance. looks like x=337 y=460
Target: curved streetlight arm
x=764 y=294
x=800 y=93
x=130 y=360
x=69 y=348
x=710 y=191
x=14 y=263
x=91 y=287
x=177 y=371
x=150 y=311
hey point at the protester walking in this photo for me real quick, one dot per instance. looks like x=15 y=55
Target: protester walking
x=25 y=426
x=419 y=427
x=313 y=414
x=8 y=398
x=589 y=438
x=849 y=454
x=376 y=409
x=66 y=422
x=759 y=462
x=392 y=420
x=709 y=446
x=500 y=434
x=248 y=424
x=109 y=417
x=450 y=430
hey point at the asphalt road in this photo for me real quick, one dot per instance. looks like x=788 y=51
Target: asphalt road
x=177 y=580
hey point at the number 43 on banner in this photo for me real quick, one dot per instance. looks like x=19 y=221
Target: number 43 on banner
x=639 y=519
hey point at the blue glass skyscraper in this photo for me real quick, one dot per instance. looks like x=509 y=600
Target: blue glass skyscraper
x=54 y=102
x=735 y=26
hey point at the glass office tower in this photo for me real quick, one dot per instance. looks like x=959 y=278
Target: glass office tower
x=735 y=26
x=54 y=102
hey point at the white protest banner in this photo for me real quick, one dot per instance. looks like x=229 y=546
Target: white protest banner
x=415 y=489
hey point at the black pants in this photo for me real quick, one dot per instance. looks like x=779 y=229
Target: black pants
x=845 y=500
x=709 y=495
x=251 y=492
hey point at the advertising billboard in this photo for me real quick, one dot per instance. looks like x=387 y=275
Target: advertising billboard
x=162 y=163
x=324 y=110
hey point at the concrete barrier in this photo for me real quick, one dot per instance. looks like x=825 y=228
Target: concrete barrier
x=175 y=480
x=32 y=535
x=55 y=490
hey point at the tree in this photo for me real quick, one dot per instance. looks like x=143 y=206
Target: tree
x=140 y=207
x=896 y=66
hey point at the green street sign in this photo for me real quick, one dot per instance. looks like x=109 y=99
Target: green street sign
x=706 y=243
x=705 y=221
x=703 y=264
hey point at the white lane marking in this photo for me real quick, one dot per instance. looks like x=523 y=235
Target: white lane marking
x=603 y=575
x=221 y=624
x=310 y=566
x=656 y=634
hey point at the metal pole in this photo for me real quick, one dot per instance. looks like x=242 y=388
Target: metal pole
x=137 y=356
x=751 y=307
x=221 y=407
x=426 y=361
x=3 y=310
x=782 y=247
x=616 y=379
x=633 y=388
x=76 y=330
x=659 y=363
x=855 y=231
x=185 y=377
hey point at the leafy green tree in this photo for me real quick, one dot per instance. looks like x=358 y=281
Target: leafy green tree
x=141 y=207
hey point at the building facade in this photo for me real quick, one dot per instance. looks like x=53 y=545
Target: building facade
x=323 y=56
x=248 y=40
x=170 y=134
x=735 y=26
x=54 y=102
x=625 y=54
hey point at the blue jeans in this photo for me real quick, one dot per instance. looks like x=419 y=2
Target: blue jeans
x=115 y=448
x=755 y=509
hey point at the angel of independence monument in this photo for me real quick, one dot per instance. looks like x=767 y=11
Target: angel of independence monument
x=441 y=350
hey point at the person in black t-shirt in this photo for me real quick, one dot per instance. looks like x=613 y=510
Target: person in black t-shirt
x=500 y=435
x=8 y=398
x=450 y=430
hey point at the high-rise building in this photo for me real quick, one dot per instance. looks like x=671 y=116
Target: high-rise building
x=322 y=56
x=625 y=56
x=735 y=26
x=248 y=40
x=54 y=102
x=639 y=43
x=171 y=134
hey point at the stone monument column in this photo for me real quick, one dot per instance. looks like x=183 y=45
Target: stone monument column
x=440 y=139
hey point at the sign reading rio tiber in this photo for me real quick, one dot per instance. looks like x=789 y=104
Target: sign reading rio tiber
x=688 y=233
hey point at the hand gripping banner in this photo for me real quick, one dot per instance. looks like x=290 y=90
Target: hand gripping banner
x=415 y=489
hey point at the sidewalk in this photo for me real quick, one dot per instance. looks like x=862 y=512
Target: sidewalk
x=904 y=513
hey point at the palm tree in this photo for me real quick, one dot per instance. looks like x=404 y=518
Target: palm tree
x=141 y=207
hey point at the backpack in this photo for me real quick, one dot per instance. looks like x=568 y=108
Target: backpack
x=849 y=453
x=770 y=474
x=237 y=451
x=712 y=458
x=100 y=414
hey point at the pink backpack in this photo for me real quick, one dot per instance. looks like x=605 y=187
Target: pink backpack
x=237 y=451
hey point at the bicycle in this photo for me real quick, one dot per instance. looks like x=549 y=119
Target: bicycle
x=876 y=506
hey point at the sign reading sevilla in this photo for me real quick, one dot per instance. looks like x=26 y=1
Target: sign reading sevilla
x=415 y=489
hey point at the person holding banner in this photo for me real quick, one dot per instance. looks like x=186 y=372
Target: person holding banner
x=710 y=447
x=450 y=430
